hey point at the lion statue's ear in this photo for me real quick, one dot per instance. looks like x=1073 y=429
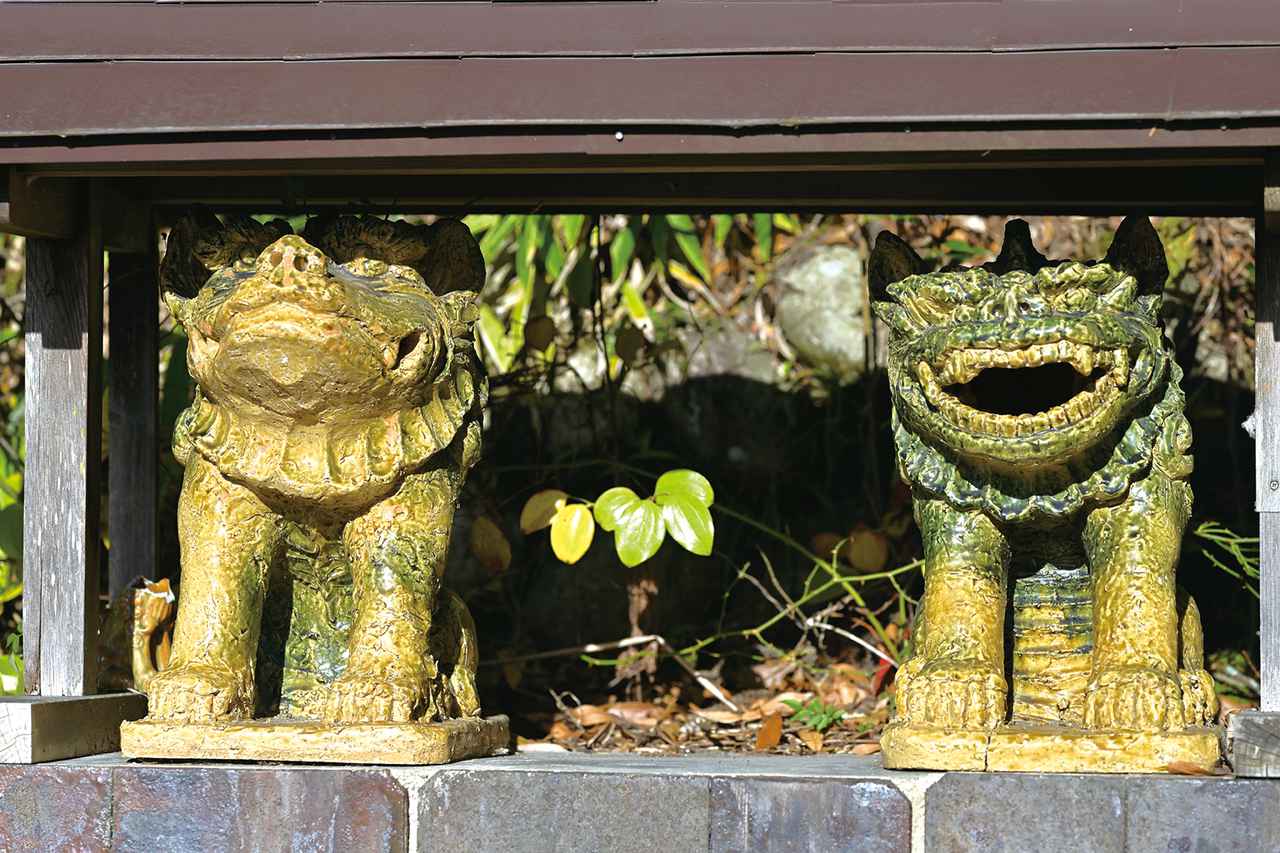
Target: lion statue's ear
x=454 y=261
x=200 y=243
x=1018 y=252
x=182 y=272
x=1137 y=250
x=891 y=260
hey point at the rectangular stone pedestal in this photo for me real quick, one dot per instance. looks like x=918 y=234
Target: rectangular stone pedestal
x=708 y=803
x=1254 y=738
x=317 y=743
x=49 y=728
x=1048 y=748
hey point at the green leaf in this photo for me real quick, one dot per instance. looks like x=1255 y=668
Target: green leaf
x=688 y=521
x=11 y=532
x=581 y=282
x=660 y=234
x=571 y=532
x=788 y=222
x=639 y=533
x=764 y=235
x=634 y=303
x=480 y=222
x=621 y=248
x=724 y=224
x=683 y=481
x=495 y=239
x=554 y=259
x=527 y=250
x=494 y=340
x=612 y=505
x=687 y=239
x=571 y=228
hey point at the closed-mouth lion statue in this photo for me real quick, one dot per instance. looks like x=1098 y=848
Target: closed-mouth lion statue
x=336 y=415
x=1039 y=421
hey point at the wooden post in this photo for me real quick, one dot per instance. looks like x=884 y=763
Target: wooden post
x=1255 y=736
x=61 y=534
x=64 y=440
x=1267 y=419
x=133 y=299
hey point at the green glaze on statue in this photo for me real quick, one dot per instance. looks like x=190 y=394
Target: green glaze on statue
x=1039 y=422
x=337 y=413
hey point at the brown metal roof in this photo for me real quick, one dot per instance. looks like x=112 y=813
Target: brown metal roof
x=660 y=87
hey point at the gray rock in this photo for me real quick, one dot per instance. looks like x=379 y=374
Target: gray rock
x=820 y=310
x=1126 y=814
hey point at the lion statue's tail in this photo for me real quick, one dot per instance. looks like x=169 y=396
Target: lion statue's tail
x=454 y=647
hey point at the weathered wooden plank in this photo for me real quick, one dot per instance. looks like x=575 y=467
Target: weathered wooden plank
x=39 y=207
x=625 y=93
x=1267 y=430
x=1254 y=738
x=64 y=437
x=310 y=30
x=133 y=300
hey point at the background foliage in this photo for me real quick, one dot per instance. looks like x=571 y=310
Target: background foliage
x=623 y=346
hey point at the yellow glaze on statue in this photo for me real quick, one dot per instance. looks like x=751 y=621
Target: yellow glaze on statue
x=338 y=410
x=1039 y=421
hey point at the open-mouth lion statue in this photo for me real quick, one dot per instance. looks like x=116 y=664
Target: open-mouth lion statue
x=1039 y=422
x=336 y=416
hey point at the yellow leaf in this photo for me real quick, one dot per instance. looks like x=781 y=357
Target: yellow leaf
x=572 y=530
x=682 y=274
x=540 y=509
x=490 y=545
x=811 y=739
x=770 y=733
x=867 y=550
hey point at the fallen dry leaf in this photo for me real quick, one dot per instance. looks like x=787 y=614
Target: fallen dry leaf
x=811 y=739
x=770 y=733
x=638 y=713
x=866 y=748
x=778 y=704
x=560 y=731
x=590 y=715
x=1188 y=768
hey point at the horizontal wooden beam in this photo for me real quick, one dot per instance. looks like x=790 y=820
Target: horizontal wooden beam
x=307 y=30
x=1206 y=190
x=41 y=207
x=51 y=206
x=54 y=101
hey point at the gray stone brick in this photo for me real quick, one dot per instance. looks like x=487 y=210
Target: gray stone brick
x=53 y=808
x=519 y=811
x=807 y=816
x=162 y=809
x=1126 y=814
x=1024 y=812
x=1203 y=815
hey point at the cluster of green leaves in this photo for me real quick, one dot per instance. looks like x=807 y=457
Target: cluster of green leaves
x=815 y=713
x=680 y=506
x=542 y=267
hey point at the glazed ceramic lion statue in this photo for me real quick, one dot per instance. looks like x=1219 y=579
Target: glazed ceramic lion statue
x=1039 y=421
x=336 y=416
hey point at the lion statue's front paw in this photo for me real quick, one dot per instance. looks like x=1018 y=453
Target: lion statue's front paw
x=359 y=699
x=1199 y=699
x=198 y=692
x=1133 y=698
x=952 y=694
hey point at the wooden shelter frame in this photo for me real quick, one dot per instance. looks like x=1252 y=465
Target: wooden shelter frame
x=115 y=114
